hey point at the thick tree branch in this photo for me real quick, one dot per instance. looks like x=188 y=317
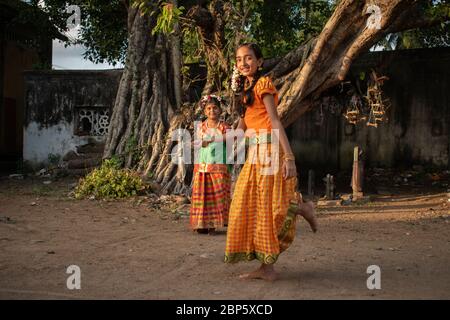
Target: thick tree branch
x=346 y=36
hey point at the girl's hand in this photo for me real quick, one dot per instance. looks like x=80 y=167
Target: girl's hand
x=197 y=143
x=289 y=169
x=207 y=140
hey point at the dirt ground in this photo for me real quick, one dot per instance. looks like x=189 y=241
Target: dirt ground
x=142 y=249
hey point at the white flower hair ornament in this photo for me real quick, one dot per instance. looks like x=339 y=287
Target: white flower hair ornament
x=208 y=98
x=235 y=79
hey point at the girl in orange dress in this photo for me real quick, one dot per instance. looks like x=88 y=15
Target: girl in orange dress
x=262 y=219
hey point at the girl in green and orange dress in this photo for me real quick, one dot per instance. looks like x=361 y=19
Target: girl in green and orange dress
x=211 y=184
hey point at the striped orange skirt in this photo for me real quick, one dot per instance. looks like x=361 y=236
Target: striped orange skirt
x=262 y=220
x=210 y=200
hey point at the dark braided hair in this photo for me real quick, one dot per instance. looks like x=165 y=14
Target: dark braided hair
x=245 y=97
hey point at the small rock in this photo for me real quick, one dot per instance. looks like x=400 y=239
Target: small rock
x=217 y=292
x=6 y=220
x=51 y=252
x=329 y=203
x=346 y=202
x=152 y=196
x=33 y=203
x=347 y=196
x=47 y=182
x=379 y=248
x=36 y=241
x=92 y=198
x=181 y=200
x=18 y=176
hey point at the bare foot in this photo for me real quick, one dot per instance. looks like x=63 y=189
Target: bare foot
x=264 y=273
x=270 y=275
x=307 y=211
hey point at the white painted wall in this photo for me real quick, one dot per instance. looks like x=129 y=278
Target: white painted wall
x=59 y=139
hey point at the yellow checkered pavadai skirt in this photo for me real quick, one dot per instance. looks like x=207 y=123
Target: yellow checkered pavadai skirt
x=261 y=221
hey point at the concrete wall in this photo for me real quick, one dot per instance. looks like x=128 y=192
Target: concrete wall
x=417 y=131
x=52 y=98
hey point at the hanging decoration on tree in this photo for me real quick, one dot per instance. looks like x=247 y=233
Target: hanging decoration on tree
x=377 y=104
x=354 y=111
x=371 y=107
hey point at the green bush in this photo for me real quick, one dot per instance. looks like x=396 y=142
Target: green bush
x=109 y=181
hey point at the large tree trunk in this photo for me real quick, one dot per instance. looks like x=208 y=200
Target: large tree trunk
x=147 y=105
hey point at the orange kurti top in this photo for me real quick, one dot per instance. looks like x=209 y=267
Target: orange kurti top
x=256 y=116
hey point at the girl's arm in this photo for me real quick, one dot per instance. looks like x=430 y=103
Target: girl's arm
x=215 y=138
x=289 y=169
x=223 y=137
x=241 y=125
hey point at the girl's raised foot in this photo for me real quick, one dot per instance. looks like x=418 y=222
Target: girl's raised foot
x=307 y=211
